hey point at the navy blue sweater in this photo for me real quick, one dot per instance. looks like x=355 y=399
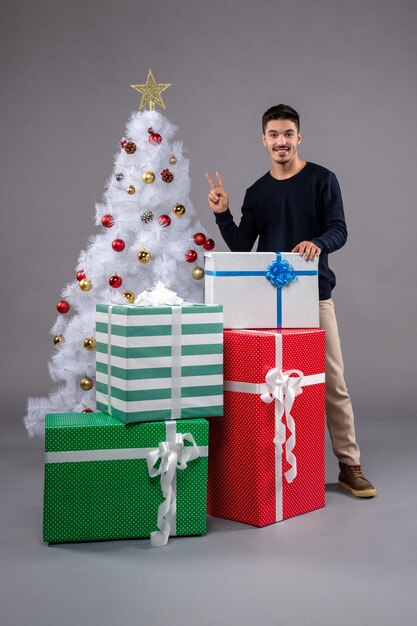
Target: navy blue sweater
x=282 y=213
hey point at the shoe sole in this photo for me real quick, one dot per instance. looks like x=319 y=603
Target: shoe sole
x=362 y=493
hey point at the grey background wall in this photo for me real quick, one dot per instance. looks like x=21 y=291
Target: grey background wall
x=348 y=67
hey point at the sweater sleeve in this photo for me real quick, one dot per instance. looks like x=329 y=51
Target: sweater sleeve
x=332 y=217
x=239 y=238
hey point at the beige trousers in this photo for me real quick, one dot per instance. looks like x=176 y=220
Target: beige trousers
x=339 y=412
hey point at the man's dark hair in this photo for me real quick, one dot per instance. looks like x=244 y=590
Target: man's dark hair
x=280 y=112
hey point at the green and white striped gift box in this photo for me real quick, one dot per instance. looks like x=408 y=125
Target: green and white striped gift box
x=158 y=363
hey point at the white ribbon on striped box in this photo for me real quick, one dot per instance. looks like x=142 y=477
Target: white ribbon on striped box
x=175 y=361
x=282 y=389
x=177 y=402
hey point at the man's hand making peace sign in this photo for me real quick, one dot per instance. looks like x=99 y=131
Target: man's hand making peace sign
x=217 y=198
x=219 y=203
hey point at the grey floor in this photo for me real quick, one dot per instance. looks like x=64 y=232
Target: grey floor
x=353 y=562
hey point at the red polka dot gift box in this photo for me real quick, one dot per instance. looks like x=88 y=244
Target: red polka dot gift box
x=267 y=453
x=108 y=480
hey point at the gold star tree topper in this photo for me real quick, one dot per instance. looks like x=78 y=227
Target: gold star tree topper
x=151 y=92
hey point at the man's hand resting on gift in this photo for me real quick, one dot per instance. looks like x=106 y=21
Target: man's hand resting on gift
x=217 y=198
x=307 y=249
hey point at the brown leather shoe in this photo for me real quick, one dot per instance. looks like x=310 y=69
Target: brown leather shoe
x=351 y=477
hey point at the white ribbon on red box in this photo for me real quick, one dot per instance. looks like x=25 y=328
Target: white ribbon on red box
x=282 y=388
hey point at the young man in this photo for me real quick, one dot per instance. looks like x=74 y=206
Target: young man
x=297 y=206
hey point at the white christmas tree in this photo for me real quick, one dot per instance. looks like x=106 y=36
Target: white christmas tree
x=148 y=234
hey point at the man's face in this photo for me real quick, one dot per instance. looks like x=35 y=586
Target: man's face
x=281 y=140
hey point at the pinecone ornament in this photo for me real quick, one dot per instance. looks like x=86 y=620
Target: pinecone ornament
x=130 y=147
x=146 y=217
x=167 y=176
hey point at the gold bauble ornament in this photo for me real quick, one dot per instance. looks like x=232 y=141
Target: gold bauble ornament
x=130 y=296
x=90 y=343
x=144 y=256
x=85 y=284
x=86 y=383
x=131 y=190
x=178 y=209
x=172 y=160
x=58 y=339
x=197 y=272
x=148 y=177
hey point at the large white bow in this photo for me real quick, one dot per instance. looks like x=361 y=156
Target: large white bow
x=158 y=295
x=173 y=455
x=282 y=388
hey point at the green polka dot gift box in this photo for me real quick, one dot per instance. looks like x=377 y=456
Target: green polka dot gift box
x=108 y=480
x=159 y=362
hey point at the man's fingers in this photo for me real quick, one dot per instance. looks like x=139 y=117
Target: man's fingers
x=213 y=197
x=219 y=191
x=307 y=249
x=218 y=183
x=210 y=181
x=312 y=252
x=307 y=252
x=299 y=248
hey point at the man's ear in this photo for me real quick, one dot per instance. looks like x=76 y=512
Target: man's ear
x=299 y=138
x=264 y=140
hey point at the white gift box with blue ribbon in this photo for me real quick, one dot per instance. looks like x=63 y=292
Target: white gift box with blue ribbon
x=263 y=289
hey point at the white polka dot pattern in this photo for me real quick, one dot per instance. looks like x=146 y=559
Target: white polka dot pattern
x=242 y=484
x=117 y=499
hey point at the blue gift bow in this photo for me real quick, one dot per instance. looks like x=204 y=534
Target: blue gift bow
x=265 y=273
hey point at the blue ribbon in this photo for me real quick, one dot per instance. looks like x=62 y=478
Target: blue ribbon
x=280 y=273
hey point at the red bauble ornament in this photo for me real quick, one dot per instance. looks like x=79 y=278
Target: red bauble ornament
x=164 y=220
x=80 y=275
x=107 y=221
x=118 y=245
x=190 y=256
x=115 y=281
x=123 y=142
x=87 y=411
x=154 y=138
x=199 y=239
x=208 y=244
x=62 y=306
